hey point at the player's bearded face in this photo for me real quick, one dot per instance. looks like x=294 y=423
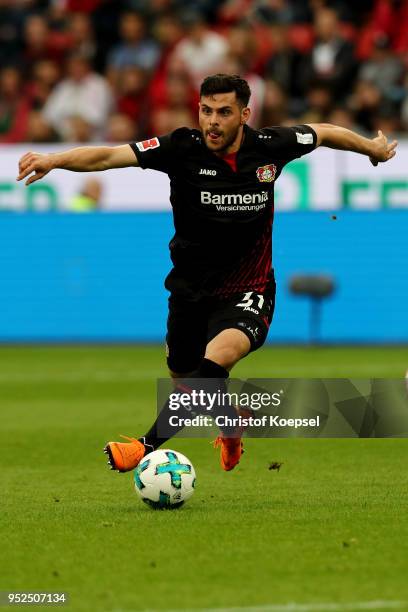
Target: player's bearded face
x=221 y=121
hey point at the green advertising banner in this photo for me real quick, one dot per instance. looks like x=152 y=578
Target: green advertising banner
x=324 y=180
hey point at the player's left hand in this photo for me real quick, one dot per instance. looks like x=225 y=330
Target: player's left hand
x=382 y=149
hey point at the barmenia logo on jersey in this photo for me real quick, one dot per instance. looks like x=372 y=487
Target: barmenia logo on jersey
x=266 y=174
x=229 y=199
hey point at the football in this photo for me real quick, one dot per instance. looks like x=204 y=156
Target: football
x=165 y=479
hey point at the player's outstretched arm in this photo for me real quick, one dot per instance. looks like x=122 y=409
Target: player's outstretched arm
x=378 y=149
x=81 y=159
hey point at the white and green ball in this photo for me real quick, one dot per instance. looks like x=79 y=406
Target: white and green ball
x=165 y=479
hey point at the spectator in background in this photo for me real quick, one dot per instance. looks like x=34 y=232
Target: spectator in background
x=36 y=36
x=14 y=107
x=302 y=11
x=10 y=33
x=332 y=59
x=319 y=100
x=233 y=11
x=260 y=11
x=175 y=90
x=275 y=110
x=366 y=102
x=242 y=46
x=166 y=120
x=207 y=9
x=80 y=104
x=121 y=129
x=346 y=10
x=151 y=8
x=202 y=51
x=180 y=93
x=384 y=16
x=44 y=77
x=57 y=19
x=387 y=120
x=179 y=104
x=81 y=36
x=284 y=64
x=135 y=49
x=272 y=11
x=89 y=198
x=242 y=59
x=384 y=69
x=39 y=130
x=131 y=93
x=40 y=43
x=105 y=18
x=167 y=31
x=155 y=8
x=343 y=117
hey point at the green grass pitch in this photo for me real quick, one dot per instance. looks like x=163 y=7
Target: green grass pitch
x=330 y=526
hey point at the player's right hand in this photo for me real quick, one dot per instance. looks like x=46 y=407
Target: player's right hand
x=34 y=162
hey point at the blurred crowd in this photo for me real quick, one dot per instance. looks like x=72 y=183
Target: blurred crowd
x=120 y=70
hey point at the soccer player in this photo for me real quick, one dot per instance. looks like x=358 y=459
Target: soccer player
x=222 y=287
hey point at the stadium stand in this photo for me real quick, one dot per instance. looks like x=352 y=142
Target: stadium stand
x=137 y=64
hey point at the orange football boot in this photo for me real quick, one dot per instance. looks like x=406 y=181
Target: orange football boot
x=124 y=456
x=232 y=448
x=231 y=451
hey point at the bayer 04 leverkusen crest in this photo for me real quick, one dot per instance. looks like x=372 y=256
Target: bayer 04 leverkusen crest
x=266 y=174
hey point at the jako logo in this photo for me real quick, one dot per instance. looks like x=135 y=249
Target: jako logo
x=234 y=198
x=208 y=172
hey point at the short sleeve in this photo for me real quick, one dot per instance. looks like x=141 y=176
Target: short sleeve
x=155 y=153
x=291 y=142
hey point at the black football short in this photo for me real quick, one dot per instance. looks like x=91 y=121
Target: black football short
x=192 y=324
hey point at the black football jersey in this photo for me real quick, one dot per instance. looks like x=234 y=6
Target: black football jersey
x=223 y=219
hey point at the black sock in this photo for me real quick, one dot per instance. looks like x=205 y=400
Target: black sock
x=218 y=375
x=207 y=370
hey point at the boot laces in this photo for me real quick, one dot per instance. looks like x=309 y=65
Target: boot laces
x=217 y=442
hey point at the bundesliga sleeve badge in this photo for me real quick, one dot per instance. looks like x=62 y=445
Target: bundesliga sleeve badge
x=266 y=174
x=144 y=145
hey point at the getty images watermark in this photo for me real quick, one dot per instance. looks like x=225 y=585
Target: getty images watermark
x=292 y=407
x=219 y=403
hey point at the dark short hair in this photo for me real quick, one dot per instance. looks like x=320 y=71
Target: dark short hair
x=226 y=83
